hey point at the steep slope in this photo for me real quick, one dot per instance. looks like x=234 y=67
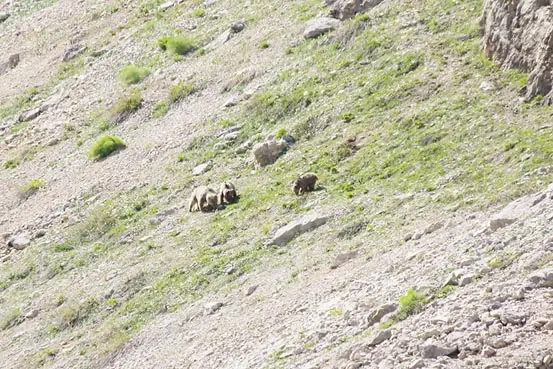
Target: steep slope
x=417 y=140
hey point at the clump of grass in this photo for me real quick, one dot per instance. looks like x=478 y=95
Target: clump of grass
x=264 y=44
x=181 y=90
x=104 y=146
x=63 y=247
x=30 y=188
x=71 y=315
x=280 y=133
x=198 y=13
x=410 y=303
x=70 y=68
x=126 y=105
x=177 y=46
x=11 y=164
x=160 y=109
x=10 y=320
x=132 y=74
x=503 y=260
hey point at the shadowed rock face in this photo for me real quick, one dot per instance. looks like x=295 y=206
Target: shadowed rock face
x=519 y=34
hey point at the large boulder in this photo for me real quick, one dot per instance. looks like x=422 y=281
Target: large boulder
x=517 y=34
x=304 y=224
x=346 y=9
x=19 y=242
x=318 y=26
x=266 y=153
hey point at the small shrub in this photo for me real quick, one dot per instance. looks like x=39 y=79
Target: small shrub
x=280 y=133
x=104 y=146
x=162 y=42
x=160 y=109
x=30 y=188
x=198 y=13
x=10 y=320
x=11 y=164
x=132 y=74
x=125 y=106
x=179 y=45
x=63 y=247
x=264 y=44
x=180 y=91
x=410 y=303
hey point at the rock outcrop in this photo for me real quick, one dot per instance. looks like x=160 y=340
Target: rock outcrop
x=519 y=34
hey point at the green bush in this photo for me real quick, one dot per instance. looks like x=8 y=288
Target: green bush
x=30 y=188
x=178 y=45
x=410 y=303
x=133 y=74
x=125 y=106
x=180 y=91
x=160 y=109
x=198 y=13
x=104 y=146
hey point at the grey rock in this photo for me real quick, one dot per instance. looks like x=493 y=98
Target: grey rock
x=251 y=289
x=417 y=364
x=376 y=315
x=542 y=278
x=498 y=223
x=304 y=224
x=346 y=9
x=548 y=326
x=13 y=61
x=212 y=307
x=19 y=242
x=379 y=337
x=319 y=26
x=73 y=51
x=343 y=258
x=31 y=314
x=266 y=153
x=242 y=149
x=488 y=351
x=219 y=40
x=4 y=16
x=201 y=169
x=29 y=115
x=432 y=351
x=166 y=5
x=465 y=280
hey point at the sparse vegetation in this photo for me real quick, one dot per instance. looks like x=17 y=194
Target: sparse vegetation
x=126 y=105
x=30 y=188
x=160 y=109
x=133 y=74
x=181 y=90
x=105 y=146
x=10 y=319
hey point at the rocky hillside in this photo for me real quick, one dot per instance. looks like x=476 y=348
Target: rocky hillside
x=426 y=243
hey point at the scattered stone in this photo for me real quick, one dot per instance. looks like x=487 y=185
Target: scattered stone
x=40 y=233
x=432 y=351
x=486 y=86
x=379 y=337
x=202 y=168
x=548 y=326
x=465 y=280
x=166 y=5
x=434 y=227
x=319 y=26
x=417 y=364
x=242 y=149
x=376 y=315
x=498 y=223
x=73 y=51
x=219 y=40
x=429 y=334
x=451 y=280
x=31 y=314
x=212 y=307
x=542 y=278
x=346 y=9
x=4 y=16
x=19 y=242
x=488 y=351
x=13 y=61
x=29 y=115
x=266 y=153
x=251 y=289
x=304 y=224
x=343 y=258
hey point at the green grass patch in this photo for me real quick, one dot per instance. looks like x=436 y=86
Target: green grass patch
x=181 y=90
x=125 y=106
x=30 y=188
x=133 y=74
x=177 y=45
x=10 y=319
x=105 y=146
x=160 y=109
